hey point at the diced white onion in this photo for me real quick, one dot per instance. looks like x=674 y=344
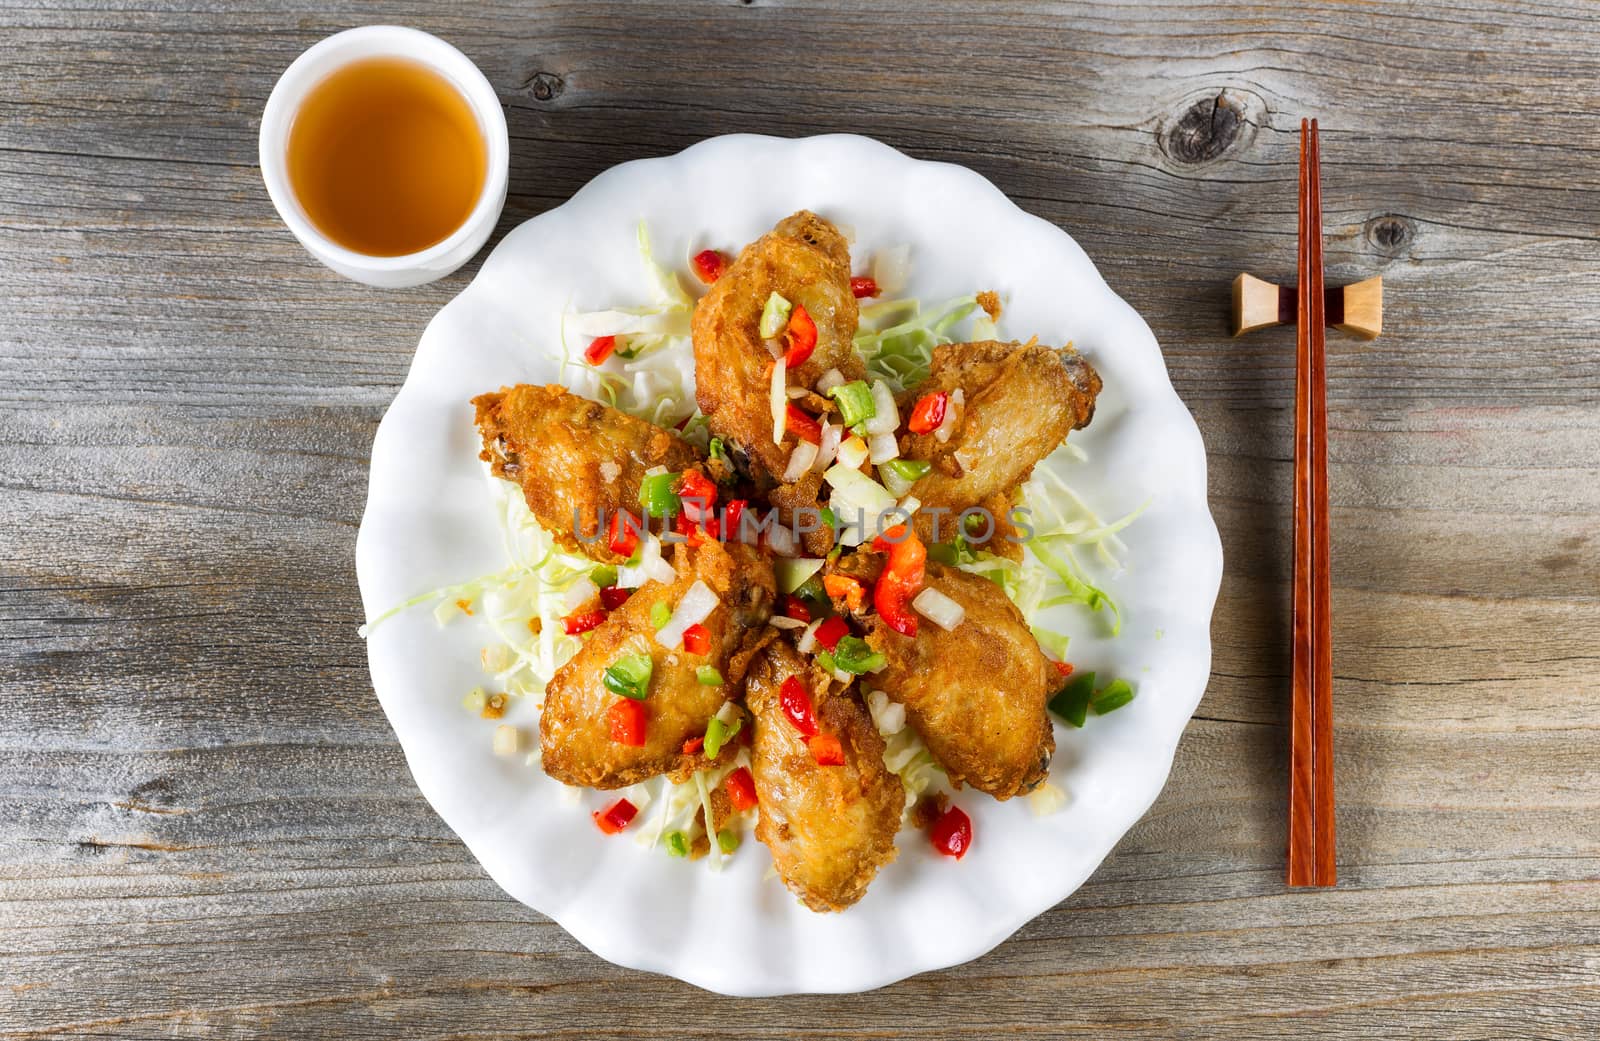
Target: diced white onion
x=939 y=609
x=952 y=416
x=580 y=592
x=888 y=716
x=843 y=677
x=796 y=393
x=800 y=460
x=774 y=348
x=911 y=504
x=828 y=449
x=830 y=379
x=881 y=448
x=891 y=268
x=886 y=418
x=507 y=740
x=780 y=621
x=896 y=484
x=1046 y=799
x=852 y=452
x=858 y=502
x=808 y=639
x=781 y=540
x=778 y=398
x=696 y=606
x=654 y=470
x=647 y=569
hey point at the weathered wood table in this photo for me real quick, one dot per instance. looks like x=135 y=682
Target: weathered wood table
x=206 y=827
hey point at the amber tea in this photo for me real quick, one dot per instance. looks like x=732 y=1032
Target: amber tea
x=386 y=157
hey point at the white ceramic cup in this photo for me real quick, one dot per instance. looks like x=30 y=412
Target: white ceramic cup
x=386 y=41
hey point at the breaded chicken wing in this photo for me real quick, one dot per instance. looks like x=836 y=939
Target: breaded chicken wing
x=575 y=459
x=1021 y=401
x=806 y=261
x=830 y=828
x=978 y=695
x=574 y=730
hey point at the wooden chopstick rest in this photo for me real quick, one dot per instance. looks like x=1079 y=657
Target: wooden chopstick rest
x=1356 y=308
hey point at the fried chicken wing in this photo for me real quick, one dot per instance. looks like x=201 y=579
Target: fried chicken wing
x=576 y=459
x=978 y=695
x=574 y=728
x=806 y=261
x=830 y=828
x=1021 y=401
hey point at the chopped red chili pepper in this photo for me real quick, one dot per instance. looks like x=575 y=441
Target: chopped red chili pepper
x=615 y=817
x=690 y=531
x=627 y=721
x=928 y=412
x=864 y=286
x=582 y=622
x=796 y=608
x=830 y=632
x=624 y=534
x=802 y=425
x=796 y=703
x=732 y=514
x=1064 y=668
x=697 y=639
x=802 y=336
x=599 y=349
x=952 y=833
x=694 y=745
x=613 y=597
x=901 y=580
x=698 y=493
x=709 y=264
x=843 y=587
x=742 y=789
x=826 y=750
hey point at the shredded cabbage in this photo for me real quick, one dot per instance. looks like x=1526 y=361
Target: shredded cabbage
x=897 y=338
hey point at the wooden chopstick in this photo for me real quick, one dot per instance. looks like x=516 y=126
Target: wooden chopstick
x=1311 y=807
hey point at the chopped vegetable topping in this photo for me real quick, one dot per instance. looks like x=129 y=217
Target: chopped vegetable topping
x=627 y=721
x=796 y=703
x=854 y=655
x=742 y=789
x=603 y=576
x=624 y=534
x=802 y=336
x=694 y=745
x=803 y=425
x=573 y=624
x=909 y=469
x=901 y=580
x=697 y=494
x=855 y=402
x=952 y=833
x=796 y=608
x=677 y=844
x=831 y=631
x=939 y=609
x=709 y=264
x=656 y=495
x=697 y=639
x=660 y=614
x=862 y=286
x=615 y=817
x=928 y=412
x=629 y=676
x=1071 y=702
x=826 y=750
x=843 y=587
x=1064 y=668
x=733 y=518
x=599 y=349
x=613 y=597
x=727 y=840
x=708 y=676
x=1116 y=694
x=774 y=316
x=719 y=731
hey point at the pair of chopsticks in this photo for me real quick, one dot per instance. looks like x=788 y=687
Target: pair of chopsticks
x=1311 y=832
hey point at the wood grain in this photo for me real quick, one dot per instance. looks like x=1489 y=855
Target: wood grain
x=206 y=829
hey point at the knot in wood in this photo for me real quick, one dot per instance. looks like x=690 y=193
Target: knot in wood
x=545 y=86
x=1391 y=234
x=1206 y=130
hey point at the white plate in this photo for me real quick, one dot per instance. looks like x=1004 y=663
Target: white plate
x=428 y=525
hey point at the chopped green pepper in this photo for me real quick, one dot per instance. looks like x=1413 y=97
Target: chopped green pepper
x=774 y=316
x=1115 y=695
x=603 y=576
x=677 y=844
x=708 y=676
x=908 y=469
x=854 y=655
x=1071 y=702
x=727 y=840
x=660 y=614
x=658 y=496
x=719 y=734
x=629 y=676
x=855 y=402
